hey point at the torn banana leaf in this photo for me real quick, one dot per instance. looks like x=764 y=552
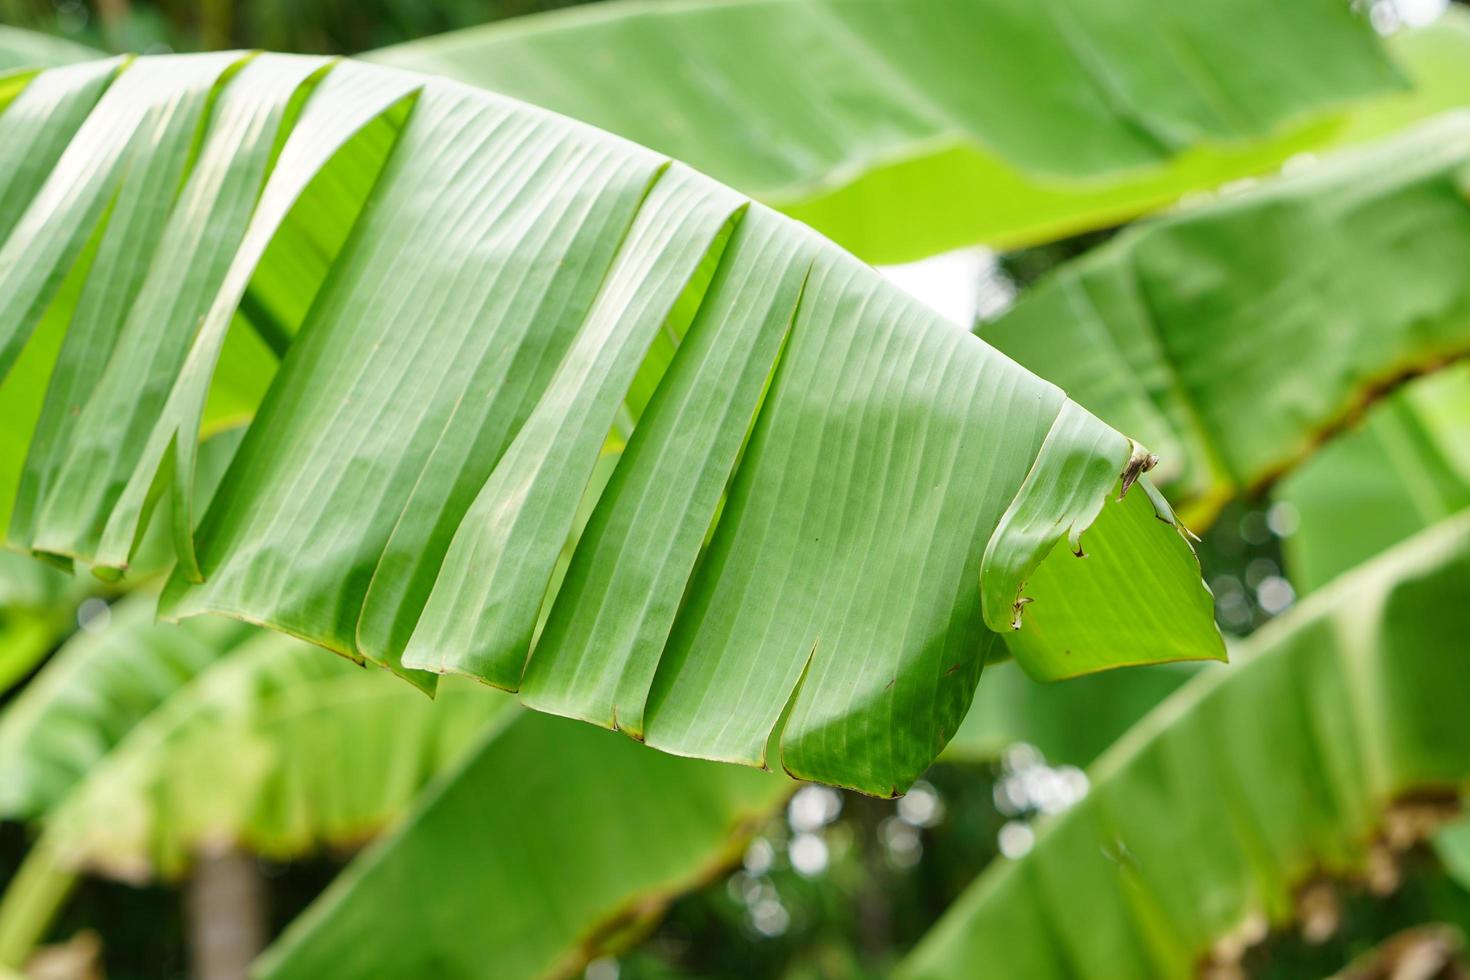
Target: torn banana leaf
x=1402 y=468
x=902 y=129
x=1191 y=331
x=1340 y=726
x=1405 y=466
x=567 y=840
x=40 y=604
x=543 y=390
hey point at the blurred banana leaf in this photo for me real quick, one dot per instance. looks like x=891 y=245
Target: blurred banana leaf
x=1195 y=328
x=1452 y=845
x=1405 y=466
x=1340 y=732
x=1072 y=721
x=893 y=153
x=273 y=747
x=821 y=469
x=92 y=693
x=903 y=128
x=566 y=839
x=37 y=608
x=1436 y=60
x=141 y=744
x=20 y=49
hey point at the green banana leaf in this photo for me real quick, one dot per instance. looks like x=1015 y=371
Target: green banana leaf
x=30 y=585
x=1208 y=815
x=903 y=128
x=565 y=839
x=25 y=639
x=1196 y=326
x=40 y=604
x=1404 y=467
x=20 y=49
x=936 y=168
x=542 y=388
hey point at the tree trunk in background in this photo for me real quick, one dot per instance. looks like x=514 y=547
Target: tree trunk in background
x=225 y=914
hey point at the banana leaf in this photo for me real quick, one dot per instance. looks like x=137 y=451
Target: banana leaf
x=142 y=744
x=271 y=747
x=40 y=605
x=20 y=49
x=1402 y=468
x=568 y=841
x=540 y=388
x=1196 y=326
x=1338 y=735
x=91 y=694
x=1436 y=60
x=903 y=128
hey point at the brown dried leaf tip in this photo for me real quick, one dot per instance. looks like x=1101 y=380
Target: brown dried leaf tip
x=1139 y=463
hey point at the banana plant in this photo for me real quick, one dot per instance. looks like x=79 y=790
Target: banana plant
x=1072 y=721
x=474 y=301
x=643 y=370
